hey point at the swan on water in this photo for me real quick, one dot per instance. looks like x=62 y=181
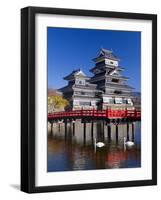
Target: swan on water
x=98 y=144
x=128 y=143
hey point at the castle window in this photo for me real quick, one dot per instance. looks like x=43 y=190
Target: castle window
x=124 y=101
x=118 y=100
x=83 y=93
x=80 y=82
x=84 y=103
x=114 y=80
x=117 y=92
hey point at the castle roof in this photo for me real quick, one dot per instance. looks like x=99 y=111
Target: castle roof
x=76 y=73
x=107 y=54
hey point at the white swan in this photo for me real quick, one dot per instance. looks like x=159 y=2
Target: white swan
x=98 y=144
x=128 y=143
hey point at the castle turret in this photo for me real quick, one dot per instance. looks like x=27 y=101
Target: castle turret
x=80 y=92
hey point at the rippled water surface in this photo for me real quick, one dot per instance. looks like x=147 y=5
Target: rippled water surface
x=73 y=147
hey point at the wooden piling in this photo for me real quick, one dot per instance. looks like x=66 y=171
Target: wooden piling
x=65 y=124
x=73 y=128
x=109 y=132
x=103 y=131
x=92 y=129
x=51 y=131
x=117 y=133
x=133 y=130
x=59 y=126
x=84 y=132
x=127 y=131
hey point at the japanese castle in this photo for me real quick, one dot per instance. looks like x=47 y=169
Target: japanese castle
x=107 y=88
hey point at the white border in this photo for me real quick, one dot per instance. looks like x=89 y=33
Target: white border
x=91 y=176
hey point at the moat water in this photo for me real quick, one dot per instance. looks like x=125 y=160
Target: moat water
x=72 y=148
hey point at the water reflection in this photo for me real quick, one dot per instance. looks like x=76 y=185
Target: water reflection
x=71 y=146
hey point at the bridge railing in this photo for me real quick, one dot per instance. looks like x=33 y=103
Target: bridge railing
x=116 y=113
x=97 y=113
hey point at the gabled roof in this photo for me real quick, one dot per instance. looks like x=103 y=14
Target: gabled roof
x=107 y=54
x=65 y=89
x=75 y=73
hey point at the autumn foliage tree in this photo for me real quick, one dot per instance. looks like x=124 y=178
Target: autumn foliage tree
x=57 y=102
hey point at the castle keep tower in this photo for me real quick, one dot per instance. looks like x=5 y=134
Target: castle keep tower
x=108 y=77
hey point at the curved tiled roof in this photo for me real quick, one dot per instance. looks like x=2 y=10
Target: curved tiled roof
x=77 y=72
x=107 y=54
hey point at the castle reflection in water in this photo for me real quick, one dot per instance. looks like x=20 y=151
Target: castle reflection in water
x=72 y=148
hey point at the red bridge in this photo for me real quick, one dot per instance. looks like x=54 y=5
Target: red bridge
x=98 y=114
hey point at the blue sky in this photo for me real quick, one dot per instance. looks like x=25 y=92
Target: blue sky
x=71 y=48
